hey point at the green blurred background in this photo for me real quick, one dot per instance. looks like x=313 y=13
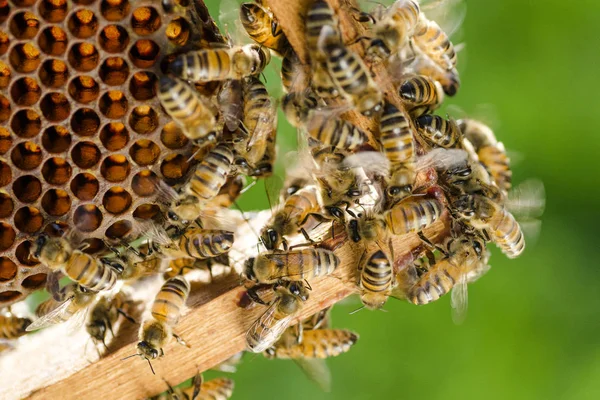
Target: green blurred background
x=533 y=326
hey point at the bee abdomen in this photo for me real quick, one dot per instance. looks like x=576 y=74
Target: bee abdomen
x=207 y=243
x=170 y=300
x=413 y=216
x=508 y=235
x=89 y=272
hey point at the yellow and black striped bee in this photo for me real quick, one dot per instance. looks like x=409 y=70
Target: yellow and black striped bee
x=434 y=42
x=438 y=131
x=449 y=79
x=413 y=215
x=376 y=279
x=12 y=327
x=187 y=108
x=334 y=132
x=422 y=93
x=262 y=27
x=74 y=300
x=104 y=315
x=293 y=73
x=298 y=106
x=315 y=343
x=215 y=389
x=200 y=244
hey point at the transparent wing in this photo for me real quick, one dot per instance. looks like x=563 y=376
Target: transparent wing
x=273 y=185
x=449 y=14
x=528 y=199
x=231 y=103
x=460 y=300
x=275 y=328
x=442 y=159
x=56 y=316
x=316 y=370
x=374 y=163
x=229 y=19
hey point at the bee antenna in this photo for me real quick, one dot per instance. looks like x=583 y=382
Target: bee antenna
x=133 y=355
x=308 y=285
x=235 y=203
x=357 y=310
x=151 y=369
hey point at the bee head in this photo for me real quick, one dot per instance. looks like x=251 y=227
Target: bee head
x=145 y=350
x=335 y=212
x=248 y=13
x=115 y=264
x=97 y=330
x=399 y=191
x=41 y=240
x=377 y=51
x=479 y=247
x=373 y=301
x=249 y=270
x=171 y=215
x=270 y=352
x=270 y=238
x=465 y=205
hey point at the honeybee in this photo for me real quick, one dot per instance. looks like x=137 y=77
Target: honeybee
x=434 y=42
x=350 y=74
x=262 y=27
x=496 y=221
x=229 y=193
x=449 y=79
x=104 y=315
x=290 y=219
x=297 y=106
x=76 y=299
x=413 y=215
x=273 y=266
x=231 y=104
x=438 y=131
x=157 y=330
x=490 y=152
x=220 y=64
x=12 y=327
x=318 y=343
x=422 y=93
x=269 y=327
x=90 y=272
x=376 y=279
x=293 y=72
x=187 y=108
x=197 y=243
x=334 y=132
x=215 y=389
x=180 y=266
x=137 y=263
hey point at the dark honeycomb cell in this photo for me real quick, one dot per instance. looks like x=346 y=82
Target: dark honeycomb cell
x=114 y=71
x=145 y=20
x=53 y=41
x=5 y=174
x=4 y=10
x=8 y=269
x=85 y=154
x=5 y=140
x=85 y=122
x=93 y=245
x=113 y=104
x=116 y=200
x=24 y=25
x=25 y=92
x=7 y=236
x=114 y=10
x=28 y=220
x=142 y=85
x=53 y=10
x=172 y=136
x=54 y=73
x=9 y=296
x=23 y=253
x=144 y=53
x=114 y=136
x=83 y=57
x=56 y=139
x=6 y=205
x=144 y=183
x=55 y=107
x=27 y=188
x=178 y=31
x=23 y=3
x=4 y=42
x=115 y=168
x=26 y=123
x=87 y=218
x=113 y=39
x=5 y=75
x=56 y=229
x=146 y=211
x=85 y=186
x=143 y=120
x=84 y=89
x=56 y=202
x=83 y=24
x=35 y=281
x=5 y=109
x=144 y=152
x=118 y=230
x=26 y=156
x=174 y=167
x=57 y=171
x=24 y=57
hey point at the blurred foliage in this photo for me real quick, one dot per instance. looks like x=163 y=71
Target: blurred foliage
x=530 y=69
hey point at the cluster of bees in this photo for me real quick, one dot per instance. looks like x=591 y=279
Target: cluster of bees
x=414 y=169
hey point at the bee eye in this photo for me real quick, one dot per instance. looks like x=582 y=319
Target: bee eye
x=172 y=216
x=273 y=236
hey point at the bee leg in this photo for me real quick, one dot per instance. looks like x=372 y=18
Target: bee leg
x=306 y=236
x=430 y=245
x=53 y=286
x=126 y=316
x=275 y=31
x=285 y=245
x=179 y=340
x=253 y=294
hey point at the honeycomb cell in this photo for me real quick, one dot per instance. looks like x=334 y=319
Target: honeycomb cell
x=56 y=139
x=5 y=75
x=53 y=41
x=178 y=31
x=28 y=220
x=93 y=245
x=174 y=167
x=36 y=281
x=85 y=186
x=113 y=104
x=87 y=218
x=143 y=120
x=5 y=140
x=172 y=136
x=9 y=296
x=114 y=136
x=144 y=53
x=115 y=168
x=144 y=183
x=8 y=269
x=5 y=109
x=114 y=39
x=144 y=152
x=4 y=42
x=5 y=174
x=56 y=229
x=55 y=107
x=24 y=25
x=26 y=156
x=7 y=235
x=57 y=171
x=54 y=73
x=142 y=85
x=85 y=122
x=114 y=71
x=145 y=20
x=24 y=3
x=26 y=123
x=146 y=211
x=24 y=57
x=85 y=154
x=83 y=57
x=118 y=230
x=27 y=188
x=56 y=202
x=4 y=10
x=114 y=10
x=84 y=2
x=23 y=253
x=25 y=92
x=84 y=89
x=83 y=24
x=6 y=205
x=116 y=200
x=53 y=10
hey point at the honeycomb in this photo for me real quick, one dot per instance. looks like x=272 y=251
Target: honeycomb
x=82 y=134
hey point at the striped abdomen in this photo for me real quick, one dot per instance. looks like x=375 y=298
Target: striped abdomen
x=257 y=107
x=436 y=282
x=318 y=16
x=506 y=233
x=211 y=174
x=437 y=130
x=204 y=65
x=299 y=206
x=377 y=274
x=295 y=265
x=413 y=215
x=434 y=42
x=396 y=136
x=12 y=327
x=497 y=163
x=185 y=106
x=260 y=26
x=320 y=343
x=89 y=272
x=292 y=71
x=421 y=90
x=336 y=132
x=206 y=243
x=170 y=300
x=347 y=69
x=215 y=389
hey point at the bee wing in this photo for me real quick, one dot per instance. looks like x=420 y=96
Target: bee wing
x=442 y=159
x=316 y=370
x=270 y=336
x=231 y=103
x=449 y=14
x=273 y=185
x=54 y=317
x=460 y=300
x=266 y=124
x=374 y=163
x=527 y=200
x=229 y=19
